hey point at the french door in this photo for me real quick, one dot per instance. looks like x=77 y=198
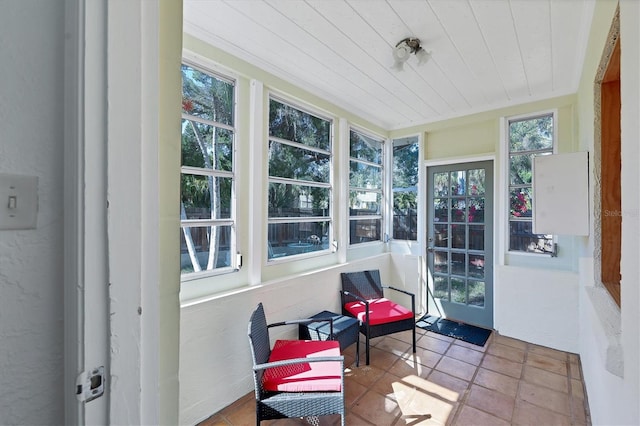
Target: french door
x=460 y=242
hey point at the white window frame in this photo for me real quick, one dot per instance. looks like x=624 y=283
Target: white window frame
x=384 y=189
x=392 y=213
x=232 y=220
x=505 y=153
x=316 y=112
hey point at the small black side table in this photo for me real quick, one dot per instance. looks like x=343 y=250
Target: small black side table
x=346 y=330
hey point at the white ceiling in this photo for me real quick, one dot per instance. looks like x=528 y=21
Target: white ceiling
x=485 y=54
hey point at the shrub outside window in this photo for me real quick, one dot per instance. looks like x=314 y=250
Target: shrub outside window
x=366 y=177
x=528 y=137
x=405 y=188
x=207 y=210
x=299 y=181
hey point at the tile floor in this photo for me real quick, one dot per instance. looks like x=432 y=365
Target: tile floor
x=449 y=382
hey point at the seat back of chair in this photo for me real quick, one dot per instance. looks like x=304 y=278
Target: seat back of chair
x=365 y=284
x=259 y=342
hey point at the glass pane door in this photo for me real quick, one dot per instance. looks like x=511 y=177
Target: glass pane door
x=460 y=242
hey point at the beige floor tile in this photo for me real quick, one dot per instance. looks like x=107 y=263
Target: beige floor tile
x=434 y=344
x=574 y=370
x=215 y=420
x=382 y=359
x=545 y=398
x=409 y=367
x=509 y=341
x=407 y=336
x=470 y=416
x=502 y=365
x=496 y=381
x=458 y=386
x=578 y=412
x=377 y=409
x=473 y=346
x=418 y=404
x=507 y=352
x=387 y=385
x=545 y=378
x=526 y=414
x=430 y=387
x=351 y=419
x=389 y=344
x=456 y=368
x=505 y=382
x=546 y=363
x=353 y=391
x=548 y=352
x=465 y=354
x=577 y=389
x=423 y=356
x=491 y=401
x=366 y=375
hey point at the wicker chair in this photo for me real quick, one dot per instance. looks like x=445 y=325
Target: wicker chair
x=310 y=384
x=362 y=297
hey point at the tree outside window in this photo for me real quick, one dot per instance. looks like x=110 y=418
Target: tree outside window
x=527 y=138
x=299 y=181
x=207 y=241
x=405 y=188
x=366 y=177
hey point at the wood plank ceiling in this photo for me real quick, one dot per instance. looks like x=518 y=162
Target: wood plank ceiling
x=485 y=54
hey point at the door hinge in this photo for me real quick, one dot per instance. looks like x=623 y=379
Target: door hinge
x=90 y=386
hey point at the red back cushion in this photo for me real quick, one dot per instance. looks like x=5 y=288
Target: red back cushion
x=306 y=377
x=381 y=311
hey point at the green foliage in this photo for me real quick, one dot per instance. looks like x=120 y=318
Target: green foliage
x=531 y=134
x=294 y=162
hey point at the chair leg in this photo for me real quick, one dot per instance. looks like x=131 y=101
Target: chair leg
x=367 y=344
x=358 y=349
x=414 y=339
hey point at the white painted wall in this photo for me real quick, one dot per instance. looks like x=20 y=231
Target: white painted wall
x=31 y=269
x=541 y=309
x=610 y=337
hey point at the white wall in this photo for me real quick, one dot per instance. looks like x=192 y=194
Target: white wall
x=610 y=337
x=541 y=309
x=31 y=143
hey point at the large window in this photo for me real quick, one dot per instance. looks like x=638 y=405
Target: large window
x=366 y=177
x=207 y=214
x=405 y=188
x=299 y=181
x=528 y=137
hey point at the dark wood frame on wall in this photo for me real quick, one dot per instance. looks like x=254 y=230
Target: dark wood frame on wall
x=611 y=214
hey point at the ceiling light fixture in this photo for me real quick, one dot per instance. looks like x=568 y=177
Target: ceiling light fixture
x=403 y=51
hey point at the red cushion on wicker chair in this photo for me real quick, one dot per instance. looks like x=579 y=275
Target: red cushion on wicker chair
x=381 y=311
x=314 y=376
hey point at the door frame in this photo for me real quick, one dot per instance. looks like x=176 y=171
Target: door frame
x=428 y=281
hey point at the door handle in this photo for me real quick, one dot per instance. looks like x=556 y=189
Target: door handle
x=430 y=249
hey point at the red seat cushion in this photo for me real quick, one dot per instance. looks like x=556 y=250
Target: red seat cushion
x=381 y=311
x=305 y=377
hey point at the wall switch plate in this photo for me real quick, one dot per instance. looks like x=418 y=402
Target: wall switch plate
x=18 y=201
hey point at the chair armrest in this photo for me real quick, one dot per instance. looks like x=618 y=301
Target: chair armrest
x=355 y=296
x=408 y=293
x=293 y=361
x=399 y=289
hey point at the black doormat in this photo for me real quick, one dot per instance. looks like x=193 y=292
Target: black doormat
x=468 y=333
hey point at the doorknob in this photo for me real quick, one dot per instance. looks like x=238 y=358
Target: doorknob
x=430 y=249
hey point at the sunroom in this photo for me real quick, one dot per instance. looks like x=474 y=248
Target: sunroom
x=349 y=135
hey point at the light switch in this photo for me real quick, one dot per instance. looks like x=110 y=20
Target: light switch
x=18 y=201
